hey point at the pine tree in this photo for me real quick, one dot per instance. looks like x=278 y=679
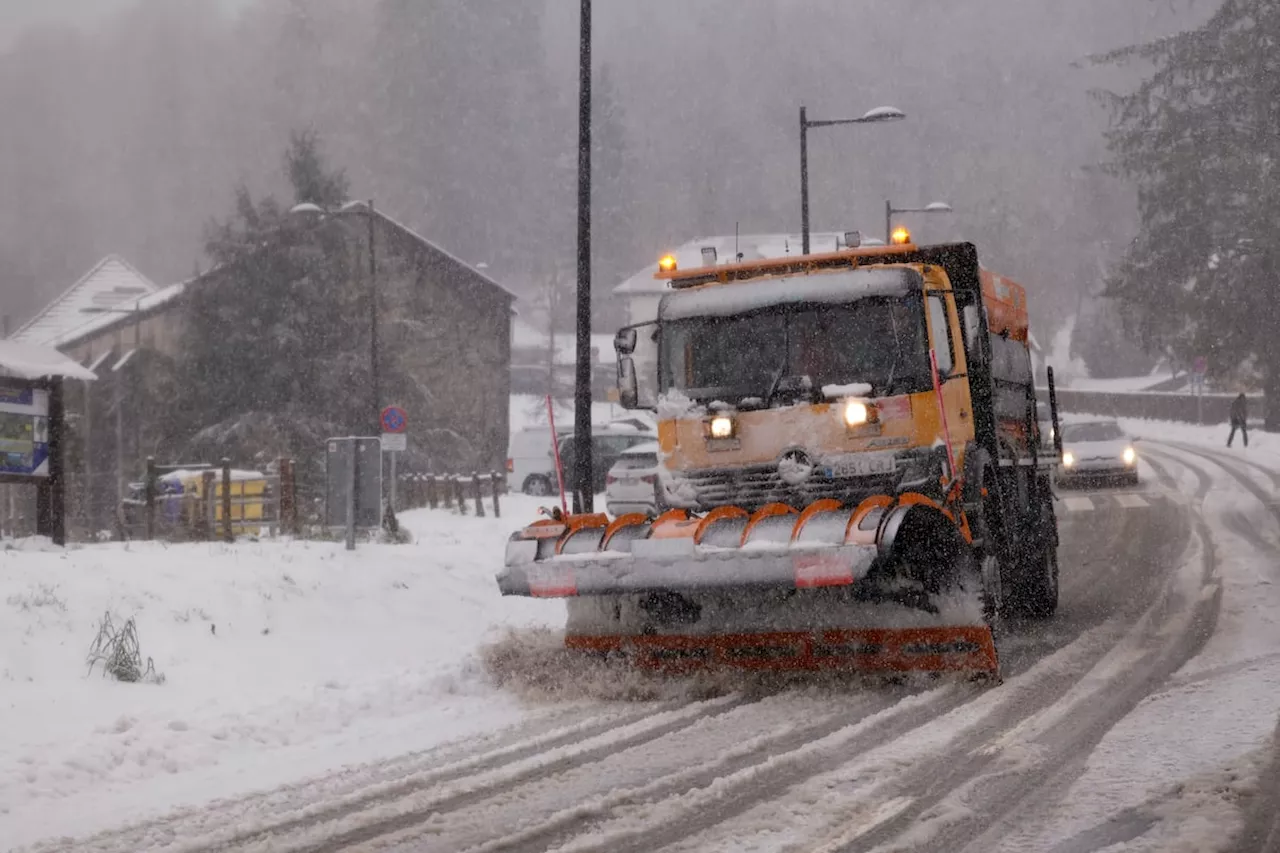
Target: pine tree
x=1198 y=137
x=274 y=355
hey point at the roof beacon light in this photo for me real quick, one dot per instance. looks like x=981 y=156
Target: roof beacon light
x=901 y=236
x=709 y=256
x=667 y=263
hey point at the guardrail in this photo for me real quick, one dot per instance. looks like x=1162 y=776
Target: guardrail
x=1209 y=409
x=452 y=491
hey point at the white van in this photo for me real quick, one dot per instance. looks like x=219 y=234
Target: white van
x=531 y=462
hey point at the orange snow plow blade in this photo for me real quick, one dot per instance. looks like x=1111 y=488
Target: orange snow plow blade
x=963 y=649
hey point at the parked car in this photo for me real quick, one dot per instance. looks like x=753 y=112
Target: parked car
x=607 y=446
x=632 y=483
x=531 y=463
x=1097 y=449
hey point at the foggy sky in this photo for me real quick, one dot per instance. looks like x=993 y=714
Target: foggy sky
x=1000 y=125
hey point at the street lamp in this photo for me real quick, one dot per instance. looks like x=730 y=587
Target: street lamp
x=890 y=211
x=365 y=209
x=876 y=116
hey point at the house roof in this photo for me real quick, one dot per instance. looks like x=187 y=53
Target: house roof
x=111 y=283
x=753 y=247
x=437 y=249
x=33 y=361
x=97 y=323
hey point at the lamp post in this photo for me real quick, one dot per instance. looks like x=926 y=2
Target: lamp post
x=583 y=492
x=890 y=211
x=365 y=209
x=135 y=311
x=876 y=116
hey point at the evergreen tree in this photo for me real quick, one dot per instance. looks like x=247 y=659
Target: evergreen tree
x=1198 y=137
x=275 y=358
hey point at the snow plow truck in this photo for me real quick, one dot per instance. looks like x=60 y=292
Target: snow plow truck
x=852 y=458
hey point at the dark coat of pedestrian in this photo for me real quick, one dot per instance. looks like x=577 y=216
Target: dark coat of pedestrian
x=1239 y=419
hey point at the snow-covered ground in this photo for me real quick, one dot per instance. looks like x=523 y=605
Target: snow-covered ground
x=281 y=659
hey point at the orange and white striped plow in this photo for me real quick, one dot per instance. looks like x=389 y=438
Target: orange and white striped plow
x=776 y=589
x=960 y=649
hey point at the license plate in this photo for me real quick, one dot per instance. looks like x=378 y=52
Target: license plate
x=862 y=465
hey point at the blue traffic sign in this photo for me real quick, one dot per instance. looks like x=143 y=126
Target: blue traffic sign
x=394 y=419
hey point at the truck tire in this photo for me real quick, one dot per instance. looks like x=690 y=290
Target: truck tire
x=1037 y=589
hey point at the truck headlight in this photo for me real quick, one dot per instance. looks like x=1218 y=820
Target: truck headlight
x=1068 y=459
x=1129 y=456
x=855 y=413
x=722 y=426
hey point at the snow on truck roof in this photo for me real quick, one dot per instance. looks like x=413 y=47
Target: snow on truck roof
x=722 y=300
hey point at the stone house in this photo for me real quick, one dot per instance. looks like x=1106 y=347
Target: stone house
x=115 y=321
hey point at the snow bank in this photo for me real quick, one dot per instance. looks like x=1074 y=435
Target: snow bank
x=281 y=659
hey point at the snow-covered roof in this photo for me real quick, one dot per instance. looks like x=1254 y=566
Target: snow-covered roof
x=33 y=361
x=752 y=247
x=111 y=283
x=96 y=323
x=435 y=247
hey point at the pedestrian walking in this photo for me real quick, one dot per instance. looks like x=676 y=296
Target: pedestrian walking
x=1239 y=419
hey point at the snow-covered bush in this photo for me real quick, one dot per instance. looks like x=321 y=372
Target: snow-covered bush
x=120 y=653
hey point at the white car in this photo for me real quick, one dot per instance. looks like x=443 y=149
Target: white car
x=531 y=463
x=632 y=482
x=1097 y=450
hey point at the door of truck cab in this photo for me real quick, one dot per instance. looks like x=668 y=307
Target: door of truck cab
x=946 y=339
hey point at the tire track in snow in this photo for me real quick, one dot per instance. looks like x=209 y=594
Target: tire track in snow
x=206 y=827
x=330 y=827
x=931 y=775
x=1000 y=802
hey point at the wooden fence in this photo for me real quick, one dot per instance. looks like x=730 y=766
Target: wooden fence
x=451 y=491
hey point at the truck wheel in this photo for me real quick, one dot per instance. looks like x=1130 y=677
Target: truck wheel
x=1037 y=595
x=537 y=485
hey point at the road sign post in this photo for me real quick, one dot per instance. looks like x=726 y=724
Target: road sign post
x=394 y=440
x=353 y=497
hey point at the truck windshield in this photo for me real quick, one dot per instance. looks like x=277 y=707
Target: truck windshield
x=879 y=341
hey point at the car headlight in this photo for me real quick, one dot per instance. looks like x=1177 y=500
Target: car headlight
x=1068 y=459
x=722 y=426
x=855 y=413
x=1129 y=456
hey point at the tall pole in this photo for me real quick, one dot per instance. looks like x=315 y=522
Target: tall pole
x=136 y=381
x=888 y=222
x=804 y=182
x=374 y=391
x=583 y=497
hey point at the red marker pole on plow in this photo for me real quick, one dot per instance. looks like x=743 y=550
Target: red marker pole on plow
x=942 y=409
x=555 y=446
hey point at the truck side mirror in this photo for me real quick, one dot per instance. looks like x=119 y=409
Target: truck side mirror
x=624 y=342
x=628 y=391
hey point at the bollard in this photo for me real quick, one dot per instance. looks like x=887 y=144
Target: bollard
x=288 y=498
x=150 y=492
x=475 y=480
x=493 y=480
x=226 y=501
x=208 y=517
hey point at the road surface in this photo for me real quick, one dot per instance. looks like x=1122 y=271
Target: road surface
x=1043 y=762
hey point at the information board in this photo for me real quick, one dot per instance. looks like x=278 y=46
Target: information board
x=24 y=429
